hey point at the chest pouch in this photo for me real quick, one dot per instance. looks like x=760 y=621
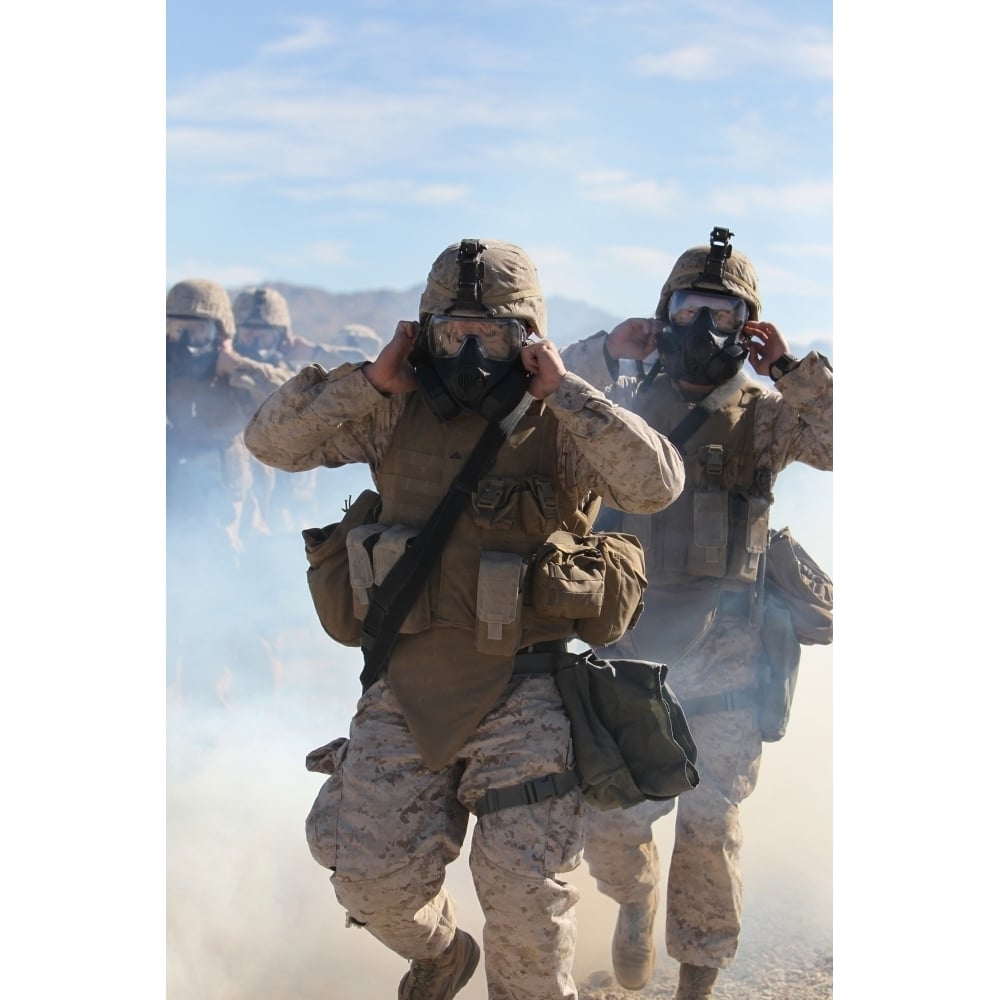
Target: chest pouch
x=568 y=577
x=499 y=600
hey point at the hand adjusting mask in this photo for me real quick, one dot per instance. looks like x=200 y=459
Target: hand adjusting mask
x=467 y=358
x=701 y=340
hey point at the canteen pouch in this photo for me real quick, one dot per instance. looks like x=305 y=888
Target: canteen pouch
x=328 y=573
x=499 y=603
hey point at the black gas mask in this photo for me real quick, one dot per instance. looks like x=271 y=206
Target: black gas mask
x=467 y=358
x=702 y=340
x=192 y=348
x=702 y=337
x=261 y=342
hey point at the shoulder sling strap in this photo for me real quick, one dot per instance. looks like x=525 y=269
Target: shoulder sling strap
x=392 y=599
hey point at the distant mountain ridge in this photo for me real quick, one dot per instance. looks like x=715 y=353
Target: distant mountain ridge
x=320 y=316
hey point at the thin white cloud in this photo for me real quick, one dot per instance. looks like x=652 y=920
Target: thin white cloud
x=620 y=187
x=693 y=62
x=806 y=196
x=311 y=34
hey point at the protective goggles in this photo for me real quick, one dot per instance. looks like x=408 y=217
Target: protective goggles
x=729 y=312
x=200 y=331
x=260 y=338
x=501 y=339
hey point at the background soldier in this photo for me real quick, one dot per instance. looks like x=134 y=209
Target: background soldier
x=704 y=613
x=212 y=508
x=450 y=719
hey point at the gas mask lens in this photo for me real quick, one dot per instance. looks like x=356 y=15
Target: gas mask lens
x=193 y=331
x=259 y=339
x=729 y=312
x=500 y=339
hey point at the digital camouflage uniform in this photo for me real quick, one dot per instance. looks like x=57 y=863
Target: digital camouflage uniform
x=449 y=723
x=704 y=886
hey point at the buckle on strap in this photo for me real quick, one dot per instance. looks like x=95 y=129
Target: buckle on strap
x=538 y=790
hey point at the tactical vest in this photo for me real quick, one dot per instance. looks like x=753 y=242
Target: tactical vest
x=717 y=528
x=478 y=585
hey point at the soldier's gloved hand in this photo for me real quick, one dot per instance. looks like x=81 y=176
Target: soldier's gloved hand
x=391 y=372
x=633 y=338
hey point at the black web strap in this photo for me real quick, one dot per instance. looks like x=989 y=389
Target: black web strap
x=538 y=790
x=392 y=599
x=728 y=701
x=712 y=403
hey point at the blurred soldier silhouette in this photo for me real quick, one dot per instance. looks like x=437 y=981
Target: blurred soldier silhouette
x=213 y=510
x=705 y=613
x=466 y=703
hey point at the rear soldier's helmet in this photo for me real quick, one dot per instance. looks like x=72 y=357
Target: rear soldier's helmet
x=738 y=278
x=510 y=286
x=261 y=307
x=197 y=298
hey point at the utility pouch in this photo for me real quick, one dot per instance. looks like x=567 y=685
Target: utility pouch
x=624 y=585
x=794 y=576
x=360 y=542
x=707 y=550
x=391 y=545
x=328 y=573
x=499 y=602
x=568 y=577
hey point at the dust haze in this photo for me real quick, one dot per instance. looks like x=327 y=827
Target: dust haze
x=251 y=916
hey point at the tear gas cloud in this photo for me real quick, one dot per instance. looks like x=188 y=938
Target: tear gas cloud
x=249 y=914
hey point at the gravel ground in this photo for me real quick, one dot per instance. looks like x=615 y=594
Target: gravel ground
x=780 y=958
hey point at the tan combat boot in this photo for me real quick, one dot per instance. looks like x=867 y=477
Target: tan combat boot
x=632 y=950
x=695 y=982
x=442 y=977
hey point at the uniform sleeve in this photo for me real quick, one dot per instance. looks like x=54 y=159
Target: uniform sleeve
x=319 y=418
x=257 y=379
x=605 y=448
x=795 y=423
x=586 y=359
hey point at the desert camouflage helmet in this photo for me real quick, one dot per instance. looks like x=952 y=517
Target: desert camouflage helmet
x=738 y=278
x=261 y=306
x=198 y=298
x=510 y=284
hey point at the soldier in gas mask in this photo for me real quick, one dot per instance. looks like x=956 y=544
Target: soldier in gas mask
x=705 y=612
x=452 y=717
x=264 y=333
x=212 y=505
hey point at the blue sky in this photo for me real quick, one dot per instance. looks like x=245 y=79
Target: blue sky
x=342 y=145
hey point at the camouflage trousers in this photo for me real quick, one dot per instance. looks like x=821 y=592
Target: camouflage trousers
x=387 y=826
x=705 y=883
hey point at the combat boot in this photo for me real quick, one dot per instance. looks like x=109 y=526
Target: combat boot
x=695 y=982
x=633 y=952
x=442 y=977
